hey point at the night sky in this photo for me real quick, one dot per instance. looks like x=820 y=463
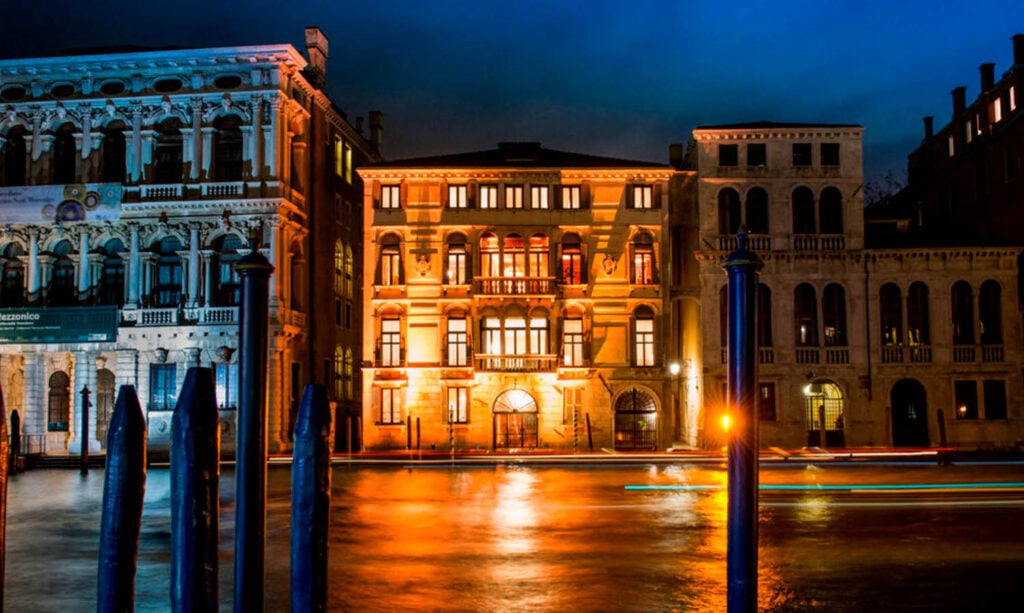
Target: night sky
x=615 y=78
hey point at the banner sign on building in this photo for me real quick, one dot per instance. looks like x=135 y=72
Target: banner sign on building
x=59 y=325
x=50 y=203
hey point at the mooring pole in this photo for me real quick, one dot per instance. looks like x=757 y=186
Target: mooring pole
x=251 y=460
x=4 y=468
x=85 y=429
x=742 y=268
x=124 y=485
x=311 y=501
x=195 y=495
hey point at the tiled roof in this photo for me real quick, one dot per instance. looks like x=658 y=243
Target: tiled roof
x=517 y=155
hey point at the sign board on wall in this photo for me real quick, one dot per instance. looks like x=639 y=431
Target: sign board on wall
x=49 y=203
x=59 y=325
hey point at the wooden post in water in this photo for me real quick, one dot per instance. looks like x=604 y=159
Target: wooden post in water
x=4 y=471
x=311 y=501
x=195 y=495
x=85 y=430
x=124 y=486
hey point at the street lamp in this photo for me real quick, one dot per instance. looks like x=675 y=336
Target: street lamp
x=674 y=368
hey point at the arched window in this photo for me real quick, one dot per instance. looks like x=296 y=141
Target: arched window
x=167 y=283
x=989 y=318
x=106 y=390
x=227 y=149
x=513 y=256
x=339 y=269
x=457 y=261
x=805 y=315
x=643 y=336
x=390 y=271
x=112 y=275
x=59 y=413
x=64 y=154
x=167 y=152
x=61 y=291
x=757 y=211
x=13 y=168
x=917 y=314
x=573 y=271
x=537 y=261
x=963 y=313
x=891 y=310
x=490 y=255
x=349 y=376
x=728 y=211
x=831 y=211
x=113 y=158
x=13 y=294
x=339 y=373
x=349 y=272
x=764 y=316
x=803 y=211
x=226 y=283
x=833 y=315
x=644 y=264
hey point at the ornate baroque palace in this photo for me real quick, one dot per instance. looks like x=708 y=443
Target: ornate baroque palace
x=130 y=185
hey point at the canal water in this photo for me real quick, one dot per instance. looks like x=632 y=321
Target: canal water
x=567 y=538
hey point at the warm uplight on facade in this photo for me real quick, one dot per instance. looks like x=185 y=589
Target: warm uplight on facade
x=726 y=422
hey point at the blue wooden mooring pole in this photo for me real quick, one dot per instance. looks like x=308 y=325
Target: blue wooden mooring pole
x=311 y=501
x=195 y=495
x=4 y=471
x=124 y=486
x=742 y=268
x=251 y=453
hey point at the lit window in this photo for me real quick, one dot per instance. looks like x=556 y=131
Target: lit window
x=966 y=399
x=226 y=379
x=1013 y=99
x=969 y=130
x=348 y=164
x=514 y=197
x=997 y=110
x=389 y=197
x=458 y=405
x=339 y=157
x=951 y=148
x=488 y=196
x=163 y=392
x=390 y=342
x=538 y=335
x=390 y=261
x=390 y=405
x=643 y=197
x=456 y=196
x=570 y=196
x=644 y=337
x=572 y=342
x=572 y=260
x=456 y=273
x=458 y=343
x=643 y=260
x=538 y=196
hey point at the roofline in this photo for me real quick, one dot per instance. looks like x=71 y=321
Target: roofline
x=166 y=55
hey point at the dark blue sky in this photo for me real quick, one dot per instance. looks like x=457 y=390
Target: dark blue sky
x=604 y=77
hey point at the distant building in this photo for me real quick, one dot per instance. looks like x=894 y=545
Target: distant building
x=130 y=185
x=516 y=299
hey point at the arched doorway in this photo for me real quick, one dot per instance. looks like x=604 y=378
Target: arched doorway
x=824 y=412
x=59 y=414
x=515 y=420
x=909 y=414
x=104 y=403
x=636 y=415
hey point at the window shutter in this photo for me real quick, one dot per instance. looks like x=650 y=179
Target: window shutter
x=444 y=193
x=471 y=193
x=585 y=195
x=375 y=191
x=403 y=195
x=629 y=196
x=555 y=196
x=656 y=195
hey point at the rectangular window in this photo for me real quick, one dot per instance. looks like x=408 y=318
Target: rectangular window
x=1013 y=98
x=766 y=401
x=995 y=399
x=390 y=342
x=348 y=316
x=538 y=196
x=538 y=336
x=757 y=154
x=951 y=148
x=728 y=155
x=456 y=265
x=966 y=397
x=390 y=266
x=226 y=384
x=390 y=405
x=339 y=157
x=458 y=344
x=645 y=342
x=801 y=154
x=643 y=197
x=572 y=406
x=457 y=197
x=348 y=164
x=997 y=110
x=458 y=405
x=492 y=336
x=488 y=196
x=572 y=342
x=163 y=391
x=339 y=375
x=643 y=265
x=570 y=196
x=968 y=131
x=830 y=154
x=514 y=197
x=389 y=197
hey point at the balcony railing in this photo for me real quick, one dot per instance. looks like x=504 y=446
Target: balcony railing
x=815 y=242
x=992 y=353
x=808 y=356
x=963 y=353
x=158 y=317
x=514 y=286
x=918 y=354
x=837 y=356
x=212 y=315
x=516 y=363
x=755 y=242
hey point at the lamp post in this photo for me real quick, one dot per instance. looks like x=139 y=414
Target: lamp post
x=674 y=368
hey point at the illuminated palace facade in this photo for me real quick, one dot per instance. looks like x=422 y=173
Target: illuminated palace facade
x=858 y=346
x=130 y=186
x=515 y=299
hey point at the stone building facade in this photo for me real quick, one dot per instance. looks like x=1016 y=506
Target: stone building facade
x=130 y=185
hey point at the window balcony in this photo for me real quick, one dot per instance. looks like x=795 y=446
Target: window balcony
x=837 y=355
x=808 y=356
x=516 y=363
x=755 y=242
x=816 y=242
x=514 y=286
x=992 y=353
x=965 y=353
x=895 y=354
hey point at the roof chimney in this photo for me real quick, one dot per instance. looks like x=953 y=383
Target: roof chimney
x=988 y=76
x=675 y=155
x=316 y=49
x=929 y=129
x=1018 y=49
x=376 y=130
x=959 y=100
